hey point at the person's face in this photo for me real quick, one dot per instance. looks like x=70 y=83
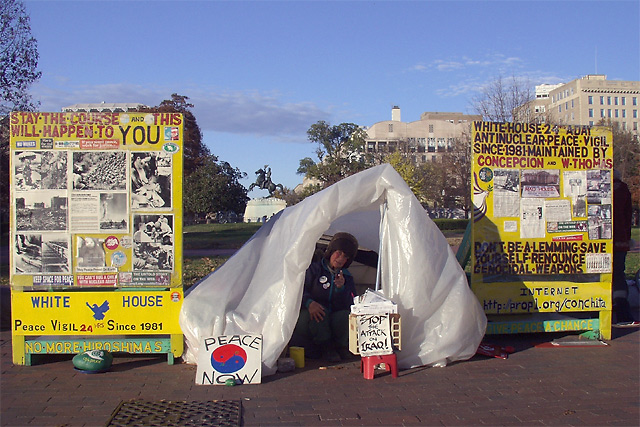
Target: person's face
x=338 y=259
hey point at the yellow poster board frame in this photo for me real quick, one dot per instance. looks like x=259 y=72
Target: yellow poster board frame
x=542 y=226
x=96 y=232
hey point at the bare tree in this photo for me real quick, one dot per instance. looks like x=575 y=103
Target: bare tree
x=502 y=98
x=626 y=157
x=458 y=164
x=434 y=183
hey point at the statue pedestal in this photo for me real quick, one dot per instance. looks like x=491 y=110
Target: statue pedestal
x=260 y=210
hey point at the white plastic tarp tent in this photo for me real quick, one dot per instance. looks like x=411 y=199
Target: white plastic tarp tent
x=259 y=289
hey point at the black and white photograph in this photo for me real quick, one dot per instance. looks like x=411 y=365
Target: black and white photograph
x=599 y=222
x=151 y=180
x=506 y=195
x=53 y=170
x=575 y=184
x=541 y=177
x=593 y=179
x=580 y=207
x=27 y=254
x=55 y=253
x=27 y=170
x=41 y=210
x=605 y=186
x=114 y=213
x=593 y=196
x=153 y=242
x=40 y=170
x=100 y=170
x=90 y=252
x=506 y=180
x=537 y=183
x=598 y=186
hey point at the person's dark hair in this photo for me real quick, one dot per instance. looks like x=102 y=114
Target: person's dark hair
x=344 y=242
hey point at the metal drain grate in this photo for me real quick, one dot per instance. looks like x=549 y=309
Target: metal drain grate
x=168 y=413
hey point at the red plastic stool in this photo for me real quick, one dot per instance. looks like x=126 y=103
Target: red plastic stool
x=368 y=364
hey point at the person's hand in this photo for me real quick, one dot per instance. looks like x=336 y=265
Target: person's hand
x=316 y=311
x=339 y=280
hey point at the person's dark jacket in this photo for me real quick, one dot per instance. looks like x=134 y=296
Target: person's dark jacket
x=319 y=287
x=621 y=216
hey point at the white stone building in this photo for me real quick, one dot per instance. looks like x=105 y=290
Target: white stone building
x=587 y=101
x=423 y=140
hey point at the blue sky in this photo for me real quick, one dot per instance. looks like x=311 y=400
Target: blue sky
x=261 y=73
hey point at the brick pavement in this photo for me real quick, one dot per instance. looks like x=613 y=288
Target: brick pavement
x=595 y=385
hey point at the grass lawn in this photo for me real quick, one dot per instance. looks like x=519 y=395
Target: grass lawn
x=195 y=268
x=218 y=236
x=211 y=236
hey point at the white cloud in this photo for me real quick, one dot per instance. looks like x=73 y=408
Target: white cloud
x=463 y=87
x=470 y=85
x=441 y=65
x=419 y=67
x=254 y=113
x=491 y=60
x=466 y=76
x=238 y=112
x=55 y=97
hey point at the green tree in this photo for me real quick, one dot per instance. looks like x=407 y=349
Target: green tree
x=18 y=58
x=408 y=171
x=18 y=71
x=340 y=152
x=290 y=196
x=209 y=185
x=305 y=165
x=214 y=186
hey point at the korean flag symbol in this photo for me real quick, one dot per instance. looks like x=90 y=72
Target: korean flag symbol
x=228 y=358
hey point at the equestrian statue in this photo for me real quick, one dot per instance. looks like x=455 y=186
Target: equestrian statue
x=263 y=181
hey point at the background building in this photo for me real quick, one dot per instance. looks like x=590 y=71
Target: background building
x=539 y=106
x=587 y=101
x=103 y=107
x=423 y=140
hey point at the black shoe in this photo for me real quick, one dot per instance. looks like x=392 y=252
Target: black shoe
x=330 y=355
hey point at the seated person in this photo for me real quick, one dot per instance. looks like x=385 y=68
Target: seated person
x=328 y=294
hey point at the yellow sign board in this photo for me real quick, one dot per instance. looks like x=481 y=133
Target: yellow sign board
x=542 y=226
x=96 y=200
x=96 y=231
x=143 y=312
